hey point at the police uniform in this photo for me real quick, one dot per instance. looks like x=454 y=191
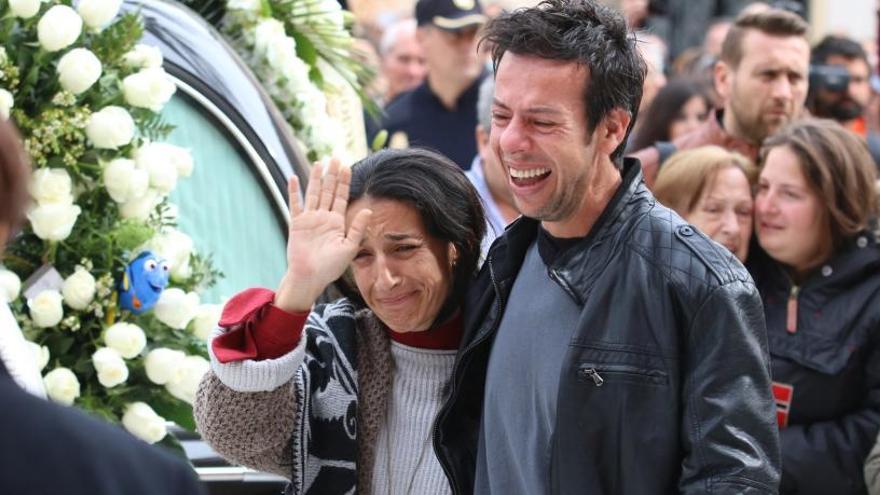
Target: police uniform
x=418 y=118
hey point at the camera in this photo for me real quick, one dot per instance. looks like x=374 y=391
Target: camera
x=833 y=78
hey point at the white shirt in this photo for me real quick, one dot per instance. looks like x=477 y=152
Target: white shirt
x=17 y=355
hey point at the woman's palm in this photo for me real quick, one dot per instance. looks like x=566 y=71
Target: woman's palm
x=319 y=248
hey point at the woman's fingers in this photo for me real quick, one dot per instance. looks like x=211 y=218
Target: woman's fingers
x=328 y=188
x=293 y=199
x=343 y=185
x=313 y=191
x=358 y=227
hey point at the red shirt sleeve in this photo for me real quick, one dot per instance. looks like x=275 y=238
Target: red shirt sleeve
x=260 y=330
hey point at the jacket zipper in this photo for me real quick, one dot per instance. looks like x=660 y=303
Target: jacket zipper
x=791 y=309
x=453 y=381
x=594 y=375
x=592 y=371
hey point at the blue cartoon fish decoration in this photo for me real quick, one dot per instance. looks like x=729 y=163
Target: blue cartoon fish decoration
x=143 y=281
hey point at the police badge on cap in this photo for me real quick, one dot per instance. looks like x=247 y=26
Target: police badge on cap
x=450 y=14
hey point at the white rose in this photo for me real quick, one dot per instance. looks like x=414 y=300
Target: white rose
x=143 y=56
x=59 y=27
x=176 y=247
x=110 y=128
x=45 y=309
x=51 y=186
x=10 y=285
x=190 y=372
x=110 y=367
x=24 y=8
x=78 y=70
x=61 y=386
x=6 y=103
x=140 y=208
x=149 y=88
x=40 y=354
x=153 y=158
x=142 y=421
x=267 y=33
x=53 y=222
x=125 y=338
x=176 y=308
x=246 y=5
x=124 y=181
x=162 y=365
x=281 y=52
x=98 y=13
x=206 y=320
x=181 y=158
x=79 y=289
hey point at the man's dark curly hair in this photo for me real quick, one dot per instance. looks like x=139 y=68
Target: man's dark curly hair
x=582 y=31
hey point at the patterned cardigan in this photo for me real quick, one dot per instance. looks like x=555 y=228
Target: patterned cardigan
x=268 y=415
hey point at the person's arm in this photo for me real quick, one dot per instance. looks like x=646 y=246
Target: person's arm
x=256 y=329
x=829 y=456
x=254 y=356
x=731 y=442
x=246 y=406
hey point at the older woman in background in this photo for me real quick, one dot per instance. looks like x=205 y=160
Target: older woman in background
x=711 y=188
x=818 y=271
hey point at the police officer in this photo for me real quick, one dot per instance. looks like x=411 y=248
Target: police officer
x=441 y=113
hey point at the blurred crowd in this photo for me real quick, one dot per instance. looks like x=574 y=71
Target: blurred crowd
x=754 y=130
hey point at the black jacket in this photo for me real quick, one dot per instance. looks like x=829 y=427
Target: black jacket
x=827 y=373
x=48 y=449
x=671 y=326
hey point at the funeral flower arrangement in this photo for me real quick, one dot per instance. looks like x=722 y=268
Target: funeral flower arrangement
x=301 y=51
x=101 y=282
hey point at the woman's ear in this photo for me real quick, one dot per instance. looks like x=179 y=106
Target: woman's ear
x=452 y=256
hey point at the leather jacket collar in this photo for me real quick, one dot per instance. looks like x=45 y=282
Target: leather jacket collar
x=578 y=266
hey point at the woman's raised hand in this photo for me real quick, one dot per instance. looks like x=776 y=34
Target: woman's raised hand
x=318 y=247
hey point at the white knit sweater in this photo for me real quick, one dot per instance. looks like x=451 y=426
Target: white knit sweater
x=404 y=456
x=405 y=460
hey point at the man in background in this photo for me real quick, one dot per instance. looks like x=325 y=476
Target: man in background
x=402 y=59
x=48 y=448
x=486 y=173
x=440 y=113
x=762 y=79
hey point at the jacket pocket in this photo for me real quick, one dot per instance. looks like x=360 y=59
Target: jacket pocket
x=599 y=374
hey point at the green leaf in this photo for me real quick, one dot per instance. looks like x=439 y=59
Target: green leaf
x=305 y=49
x=130 y=234
x=380 y=140
x=175 y=410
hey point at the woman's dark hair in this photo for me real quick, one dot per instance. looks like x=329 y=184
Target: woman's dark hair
x=659 y=116
x=447 y=203
x=14 y=174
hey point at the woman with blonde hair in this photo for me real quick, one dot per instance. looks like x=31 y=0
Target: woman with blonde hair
x=818 y=272
x=711 y=188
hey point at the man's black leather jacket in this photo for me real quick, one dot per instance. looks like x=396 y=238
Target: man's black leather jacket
x=665 y=386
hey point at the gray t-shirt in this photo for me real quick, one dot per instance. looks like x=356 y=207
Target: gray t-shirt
x=522 y=381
